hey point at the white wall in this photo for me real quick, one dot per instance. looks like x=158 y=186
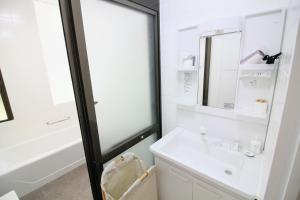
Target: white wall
x=177 y=14
x=54 y=51
x=292 y=190
x=282 y=147
x=25 y=74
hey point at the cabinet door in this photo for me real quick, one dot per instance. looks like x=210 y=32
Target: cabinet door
x=204 y=192
x=173 y=184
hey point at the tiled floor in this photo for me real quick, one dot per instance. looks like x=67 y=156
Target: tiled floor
x=74 y=185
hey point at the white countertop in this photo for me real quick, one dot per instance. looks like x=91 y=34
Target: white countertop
x=205 y=157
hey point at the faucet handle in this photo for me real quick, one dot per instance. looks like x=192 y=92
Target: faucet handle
x=203 y=131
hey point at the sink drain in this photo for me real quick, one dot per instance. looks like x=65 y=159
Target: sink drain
x=228 y=172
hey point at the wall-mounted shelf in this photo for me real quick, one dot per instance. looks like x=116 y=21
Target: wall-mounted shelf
x=259 y=71
x=256 y=75
x=187 y=69
x=250 y=113
x=186 y=100
x=257 y=67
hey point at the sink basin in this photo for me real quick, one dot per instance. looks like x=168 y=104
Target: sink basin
x=206 y=157
x=202 y=148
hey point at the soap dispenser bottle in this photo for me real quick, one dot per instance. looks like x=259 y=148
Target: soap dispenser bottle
x=255 y=146
x=235 y=146
x=203 y=131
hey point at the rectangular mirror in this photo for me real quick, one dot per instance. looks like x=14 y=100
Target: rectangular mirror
x=218 y=73
x=5 y=109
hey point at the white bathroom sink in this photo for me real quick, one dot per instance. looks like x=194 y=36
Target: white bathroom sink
x=206 y=157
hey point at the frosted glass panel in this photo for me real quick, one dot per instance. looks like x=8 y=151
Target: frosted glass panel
x=120 y=51
x=142 y=150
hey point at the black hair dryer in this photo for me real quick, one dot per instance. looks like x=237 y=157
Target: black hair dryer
x=271 y=59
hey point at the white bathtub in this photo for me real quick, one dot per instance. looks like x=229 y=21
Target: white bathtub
x=28 y=166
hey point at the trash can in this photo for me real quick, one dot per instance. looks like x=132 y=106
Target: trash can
x=126 y=178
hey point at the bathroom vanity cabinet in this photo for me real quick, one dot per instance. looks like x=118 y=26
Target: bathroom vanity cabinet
x=175 y=183
x=192 y=166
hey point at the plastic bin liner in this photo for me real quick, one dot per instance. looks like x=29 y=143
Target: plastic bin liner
x=126 y=178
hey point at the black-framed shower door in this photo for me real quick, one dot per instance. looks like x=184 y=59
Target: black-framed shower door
x=80 y=73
